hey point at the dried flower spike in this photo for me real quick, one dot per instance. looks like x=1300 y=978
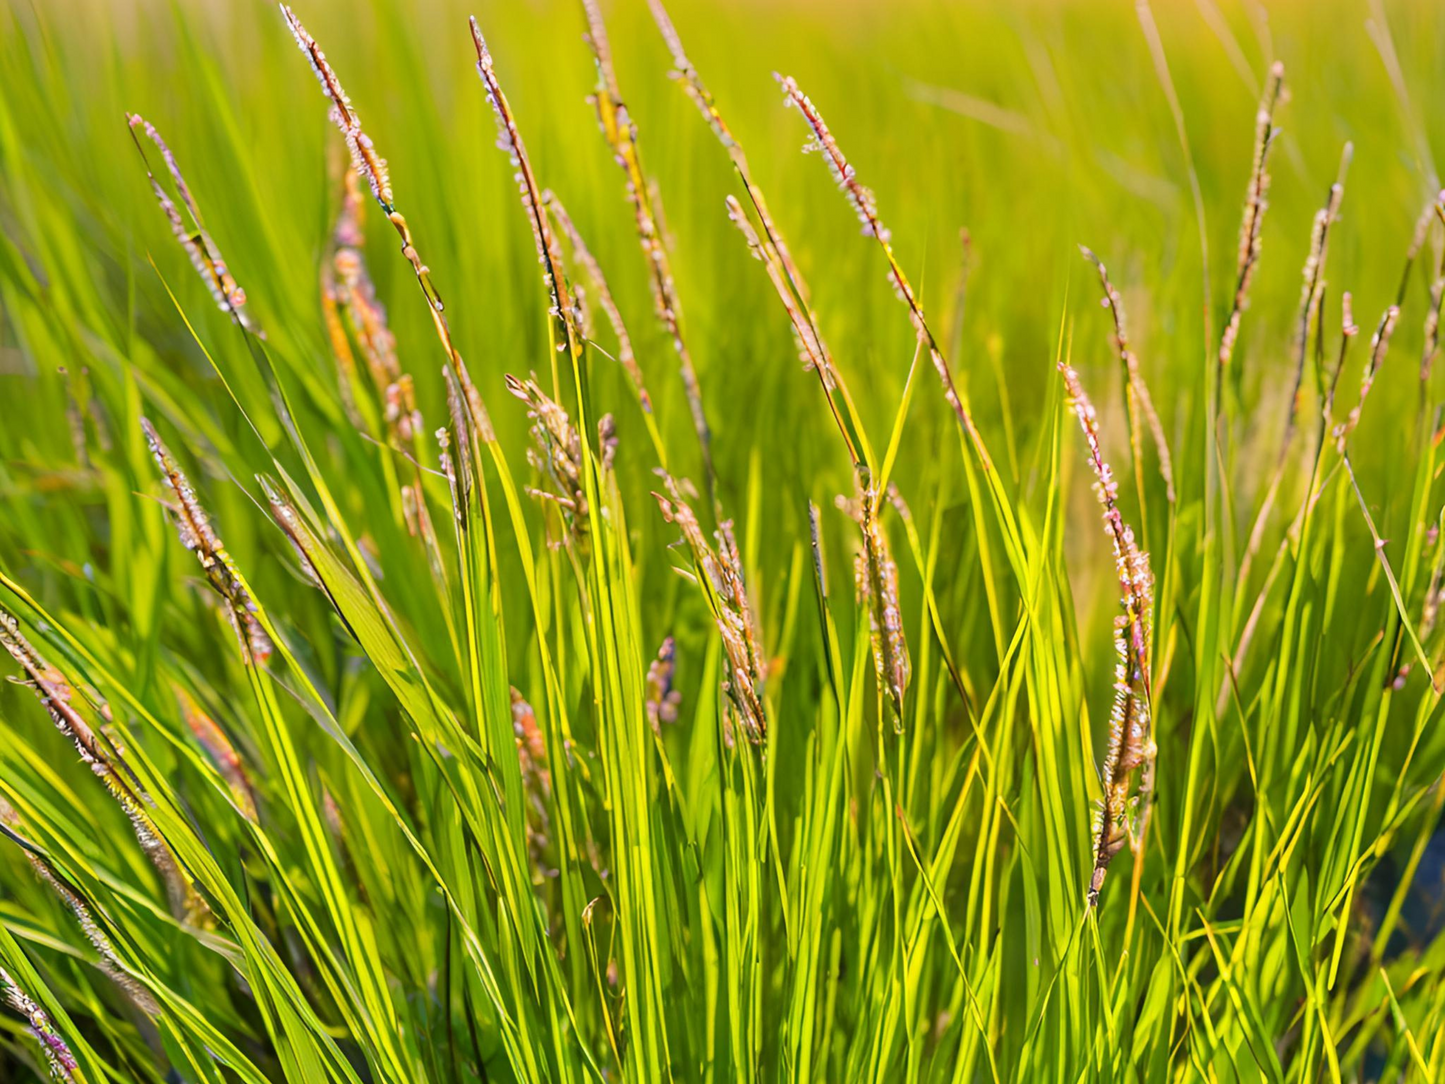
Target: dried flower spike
x=1255 y=202
x=62 y=1062
x=662 y=699
x=205 y=257
x=876 y=581
x=1131 y=744
x=197 y=535
x=104 y=757
x=1137 y=389
x=721 y=576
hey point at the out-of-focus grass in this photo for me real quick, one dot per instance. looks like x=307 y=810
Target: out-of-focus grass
x=702 y=908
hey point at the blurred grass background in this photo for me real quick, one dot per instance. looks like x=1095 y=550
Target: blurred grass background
x=1036 y=126
x=1064 y=138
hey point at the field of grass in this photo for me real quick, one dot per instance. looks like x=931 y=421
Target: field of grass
x=713 y=644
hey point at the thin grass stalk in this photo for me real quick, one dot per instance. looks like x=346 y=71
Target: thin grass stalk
x=1431 y=350
x=372 y=167
x=1310 y=316
x=1348 y=333
x=877 y=575
x=583 y=259
x=1313 y=290
x=811 y=348
x=1138 y=390
x=865 y=207
x=770 y=247
x=1379 y=347
x=1417 y=242
x=620 y=132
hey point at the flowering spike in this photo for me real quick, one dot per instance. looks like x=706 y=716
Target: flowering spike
x=1256 y=201
x=100 y=752
x=1131 y=743
x=1114 y=302
x=197 y=535
x=205 y=256
x=865 y=207
x=621 y=135
x=62 y=1062
x=876 y=580
x=721 y=576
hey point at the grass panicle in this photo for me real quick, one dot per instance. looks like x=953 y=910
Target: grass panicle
x=1256 y=201
x=719 y=571
x=1131 y=737
x=204 y=255
x=663 y=698
x=1379 y=347
x=876 y=581
x=101 y=752
x=193 y=527
x=1136 y=389
x=58 y=1058
x=107 y=958
x=621 y=135
x=865 y=207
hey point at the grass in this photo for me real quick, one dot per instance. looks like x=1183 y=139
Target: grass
x=686 y=652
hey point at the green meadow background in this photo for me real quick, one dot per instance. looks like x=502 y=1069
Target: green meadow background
x=843 y=902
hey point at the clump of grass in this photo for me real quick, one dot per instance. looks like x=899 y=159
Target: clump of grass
x=573 y=791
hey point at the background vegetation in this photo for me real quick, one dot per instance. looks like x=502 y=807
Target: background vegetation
x=434 y=835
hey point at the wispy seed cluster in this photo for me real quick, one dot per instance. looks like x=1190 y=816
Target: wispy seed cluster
x=721 y=574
